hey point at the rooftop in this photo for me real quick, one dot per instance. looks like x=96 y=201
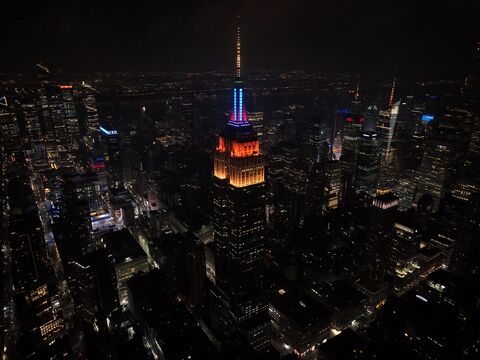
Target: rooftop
x=123 y=246
x=302 y=308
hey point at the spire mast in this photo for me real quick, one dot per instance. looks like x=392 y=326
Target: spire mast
x=392 y=92
x=357 y=90
x=238 y=64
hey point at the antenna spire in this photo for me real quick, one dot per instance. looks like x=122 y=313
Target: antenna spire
x=392 y=92
x=238 y=68
x=357 y=90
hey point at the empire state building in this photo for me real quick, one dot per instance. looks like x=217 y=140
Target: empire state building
x=238 y=310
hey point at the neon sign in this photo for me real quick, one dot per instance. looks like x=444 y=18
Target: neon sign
x=108 y=132
x=428 y=117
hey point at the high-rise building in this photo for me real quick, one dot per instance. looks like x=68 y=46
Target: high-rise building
x=472 y=81
x=386 y=125
x=374 y=251
x=32 y=121
x=256 y=118
x=57 y=117
x=72 y=229
x=37 y=150
x=92 y=123
x=71 y=118
x=351 y=134
x=324 y=187
x=368 y=161
x=238 y=311
x=435 y=171
x=45 y=113
x=111 y=141
x=93 y=282
x=443 y=149
x=333 y=183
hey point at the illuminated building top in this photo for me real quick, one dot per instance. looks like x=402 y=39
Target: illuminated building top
x=238 y=116
x=237 y=155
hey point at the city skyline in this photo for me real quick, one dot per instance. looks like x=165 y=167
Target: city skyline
x=241 y=214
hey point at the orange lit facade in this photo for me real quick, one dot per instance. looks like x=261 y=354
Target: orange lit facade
x=239 y=160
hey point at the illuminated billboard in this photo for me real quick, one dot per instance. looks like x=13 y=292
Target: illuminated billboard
x=428 y=117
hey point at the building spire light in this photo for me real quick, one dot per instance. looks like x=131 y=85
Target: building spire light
x=238 y=62
x=392 y=92
x=238 y=116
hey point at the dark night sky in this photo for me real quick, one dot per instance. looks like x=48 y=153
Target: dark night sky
x=427 y=37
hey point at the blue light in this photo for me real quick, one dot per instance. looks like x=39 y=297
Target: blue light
x=108 y=132
x=428 y=117
x=234 y=104
x=236 y=124
x=344 y=112
x=240 y=107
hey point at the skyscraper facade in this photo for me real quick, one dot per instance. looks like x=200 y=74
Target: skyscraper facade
x=92 y=123
x=239 y=312
x=70 y=113
x=386 y=129
x=368 y=161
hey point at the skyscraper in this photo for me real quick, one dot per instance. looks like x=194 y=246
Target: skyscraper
x=351 y=134
x=92 y=123
x=239 y=312
x=368 y=162
x=70 y=113
x=111 y=142
x=386 y=129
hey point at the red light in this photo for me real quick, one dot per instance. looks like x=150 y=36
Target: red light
x=221 y=144
x=349 y=119
x=97 y=166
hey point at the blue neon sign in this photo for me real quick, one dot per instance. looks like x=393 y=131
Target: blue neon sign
x=428 y=117
x=108 y=132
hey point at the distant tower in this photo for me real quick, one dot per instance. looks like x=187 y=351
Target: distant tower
x=356 y=97
x=92 y=122
x=238 y=309
x=472 y=81
x=368 y=161
x=392 y=92
x=70 y=113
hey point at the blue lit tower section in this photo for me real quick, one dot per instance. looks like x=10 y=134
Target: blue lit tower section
x=238 y=116
x=238 y=309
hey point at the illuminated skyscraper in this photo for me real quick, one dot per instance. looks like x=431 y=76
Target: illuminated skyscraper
x=70 y=113
x=32 y=121
x=56 y=119
x=386 y=129
x=332 y=184
x=92 y=114
x=351 y=135
x=239 y=312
